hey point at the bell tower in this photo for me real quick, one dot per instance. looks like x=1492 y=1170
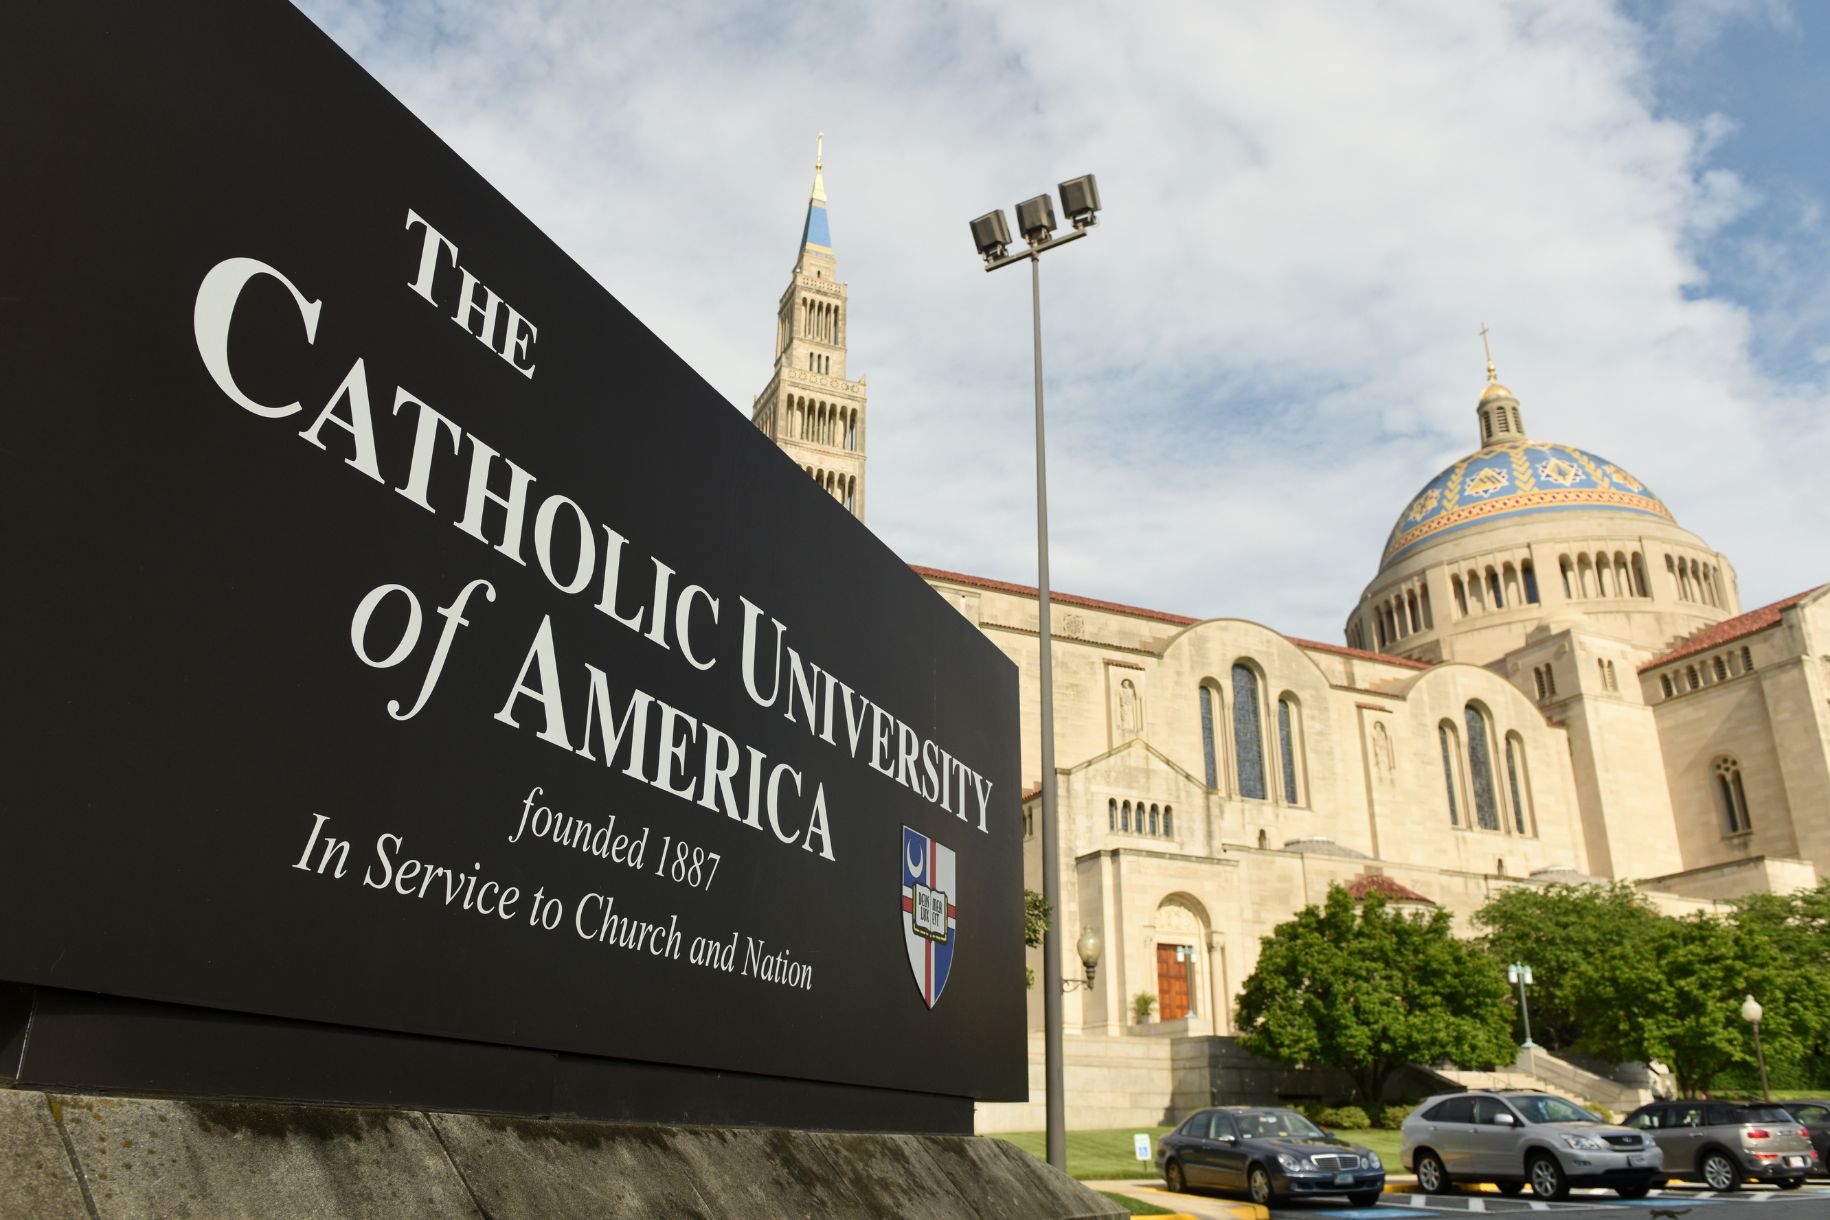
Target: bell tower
x=810 y=408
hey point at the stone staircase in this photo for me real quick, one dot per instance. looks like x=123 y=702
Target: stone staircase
x=1539 y=1069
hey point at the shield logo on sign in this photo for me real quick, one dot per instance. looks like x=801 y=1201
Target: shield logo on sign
x=928 y=912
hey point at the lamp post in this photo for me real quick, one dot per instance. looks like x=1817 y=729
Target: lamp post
x=991 y=235
x=1520 y=974
x=1751 y=1013
x=1088 y=946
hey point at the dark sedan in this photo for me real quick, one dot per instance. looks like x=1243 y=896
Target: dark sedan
x=1269 y=1154
x=1814 y=1116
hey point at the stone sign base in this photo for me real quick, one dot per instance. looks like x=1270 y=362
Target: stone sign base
x=64 y=1154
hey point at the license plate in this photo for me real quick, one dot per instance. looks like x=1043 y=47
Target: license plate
x=1343 y=1179
x=1795 y=1160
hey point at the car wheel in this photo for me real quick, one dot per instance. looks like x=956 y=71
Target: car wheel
x=1172 y=1177
x=1547 y=1178
x=1634 y=1192
x=1366 y=1198
x=1720 y=1173
x=1258 y=1185
x=1431 y=1176
x=1510 y=1188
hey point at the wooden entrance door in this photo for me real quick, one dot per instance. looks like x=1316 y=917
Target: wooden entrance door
x=1171 y=983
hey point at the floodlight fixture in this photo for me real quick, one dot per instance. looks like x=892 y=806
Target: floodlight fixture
x=991 y=235
x=1080 y=201
x=1036 y=220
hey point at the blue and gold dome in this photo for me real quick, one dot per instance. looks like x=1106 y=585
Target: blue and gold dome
x=1513 y=477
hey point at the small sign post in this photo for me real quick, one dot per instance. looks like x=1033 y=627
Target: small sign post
x=1143 y=1146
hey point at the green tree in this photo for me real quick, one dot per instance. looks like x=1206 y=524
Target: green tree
x=1557 y=929
x=1676 y=995
x=1368 y=989
x=1035 y=924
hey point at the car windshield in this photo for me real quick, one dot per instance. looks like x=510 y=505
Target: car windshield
x=1765 y=1114
x=1542 y=1109
x=1276 y=1125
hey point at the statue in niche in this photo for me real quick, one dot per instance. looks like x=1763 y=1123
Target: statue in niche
x=1382 y=753
x=1130 y=714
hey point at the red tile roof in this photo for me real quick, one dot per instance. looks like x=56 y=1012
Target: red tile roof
x=1161 y=616
x=1728 y=630
x=1377 y=883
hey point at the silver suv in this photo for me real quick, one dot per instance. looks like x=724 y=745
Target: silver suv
x=1723 y=1143
x=1525 y=1138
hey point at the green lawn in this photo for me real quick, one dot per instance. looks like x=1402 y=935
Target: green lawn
x=1108 y=1154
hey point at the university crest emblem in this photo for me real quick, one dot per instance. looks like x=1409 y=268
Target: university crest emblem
x=928 y=913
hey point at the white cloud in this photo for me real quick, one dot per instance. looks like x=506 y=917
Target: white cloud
x=1269 y=342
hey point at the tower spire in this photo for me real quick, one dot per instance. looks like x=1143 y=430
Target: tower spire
x=1498 y=409
x=811 y=406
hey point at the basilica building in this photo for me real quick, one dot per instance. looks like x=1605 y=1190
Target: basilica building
x=1547 y=679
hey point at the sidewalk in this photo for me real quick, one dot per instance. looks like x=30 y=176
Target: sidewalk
x=1194 y=1207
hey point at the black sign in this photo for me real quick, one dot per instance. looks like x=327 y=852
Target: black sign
x=401 y=636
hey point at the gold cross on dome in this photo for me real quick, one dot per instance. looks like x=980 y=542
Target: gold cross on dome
x=1492 y=373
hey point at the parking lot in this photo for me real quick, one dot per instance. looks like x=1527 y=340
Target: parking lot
x=1811 y=1202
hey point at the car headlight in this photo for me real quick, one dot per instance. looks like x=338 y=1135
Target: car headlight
x=1373 y=1161
x=1291 y=1162
x=1587 y=1143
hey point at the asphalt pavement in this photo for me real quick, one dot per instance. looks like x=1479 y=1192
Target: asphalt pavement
x=1402 y=1200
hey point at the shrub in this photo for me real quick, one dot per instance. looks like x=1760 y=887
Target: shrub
x=1346 y=1118
x=1391 y=1118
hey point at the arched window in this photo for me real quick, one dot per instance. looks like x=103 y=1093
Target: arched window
x=1155 y=819
x=1445 y=733
x=1529 y=575
x=1480 y=768
x=1124 y=817
x=1209 y=713
x=1248 y=738
x=1690 y=677
x=1664 y=681
x=1569 y=590
x=1493 y=590
x=1423 y=599
x=1410 y=605
x=1747 y=659
x=1289 y=732
x=1721 y=668
x=1518 y=783
x=1641 y=587
x=1112 y=814
x=1169 y=822
x=1733 y=795
x=1537 y=675
x=1461 y=595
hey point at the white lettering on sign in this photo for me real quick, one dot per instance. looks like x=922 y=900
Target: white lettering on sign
x=477 y=309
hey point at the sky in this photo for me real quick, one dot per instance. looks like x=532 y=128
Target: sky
x=1270 y=341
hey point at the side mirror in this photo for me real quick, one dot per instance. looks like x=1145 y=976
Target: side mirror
x=1229 y=1139
x=1504 y=1119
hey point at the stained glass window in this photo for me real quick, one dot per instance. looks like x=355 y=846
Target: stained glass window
x=1514 y=763
x=1169 y=822
x=1480 y=770
x=1207 y=736
x=1446 y=735
x=1286 y=748
x=1248 y=741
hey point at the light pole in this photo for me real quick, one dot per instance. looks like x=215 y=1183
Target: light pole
x=1751 y=1013
x=1520 y=973
x=1036 y=221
